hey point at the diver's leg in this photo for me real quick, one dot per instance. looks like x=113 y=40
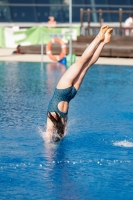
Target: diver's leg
x=94 y=57
x=107 y=39
x=70 y=76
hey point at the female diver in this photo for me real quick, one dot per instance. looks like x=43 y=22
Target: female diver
x=69 y=84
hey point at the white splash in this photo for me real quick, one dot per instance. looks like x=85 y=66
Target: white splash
x=123 y=143
x=45 y=137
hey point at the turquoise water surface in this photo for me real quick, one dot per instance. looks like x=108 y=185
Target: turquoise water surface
x=95 y=159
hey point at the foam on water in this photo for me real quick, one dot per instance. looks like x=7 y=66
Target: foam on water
x=100 y=162
x=123 y=143
x=42 y=133
x=46 y=138
x=49 y=145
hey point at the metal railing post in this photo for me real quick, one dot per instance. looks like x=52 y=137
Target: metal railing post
x=42 y=48
x=81 y=19
x=120 y=20
x=70 y=25
x=88 y=13
x=100 y=17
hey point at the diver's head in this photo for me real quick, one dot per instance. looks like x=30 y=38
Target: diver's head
x=59 y=126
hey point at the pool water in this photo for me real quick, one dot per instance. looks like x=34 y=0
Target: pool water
x=95 y=159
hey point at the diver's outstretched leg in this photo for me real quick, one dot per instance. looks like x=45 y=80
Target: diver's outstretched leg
x=94 y=57
x=73 y=72
x=100 y=47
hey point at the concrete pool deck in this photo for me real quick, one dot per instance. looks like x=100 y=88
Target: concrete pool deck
x=6 y=55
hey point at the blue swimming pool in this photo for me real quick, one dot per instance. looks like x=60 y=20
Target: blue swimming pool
x=95 y=159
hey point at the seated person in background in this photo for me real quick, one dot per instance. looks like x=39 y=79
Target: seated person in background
x=17 y=50
x=51 y=23
x=129 y=24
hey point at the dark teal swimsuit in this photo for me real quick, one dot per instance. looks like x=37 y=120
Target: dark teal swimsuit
x=61 y=95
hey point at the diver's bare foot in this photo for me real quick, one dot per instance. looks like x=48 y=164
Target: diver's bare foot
x=108 y=35
x=101 y=34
